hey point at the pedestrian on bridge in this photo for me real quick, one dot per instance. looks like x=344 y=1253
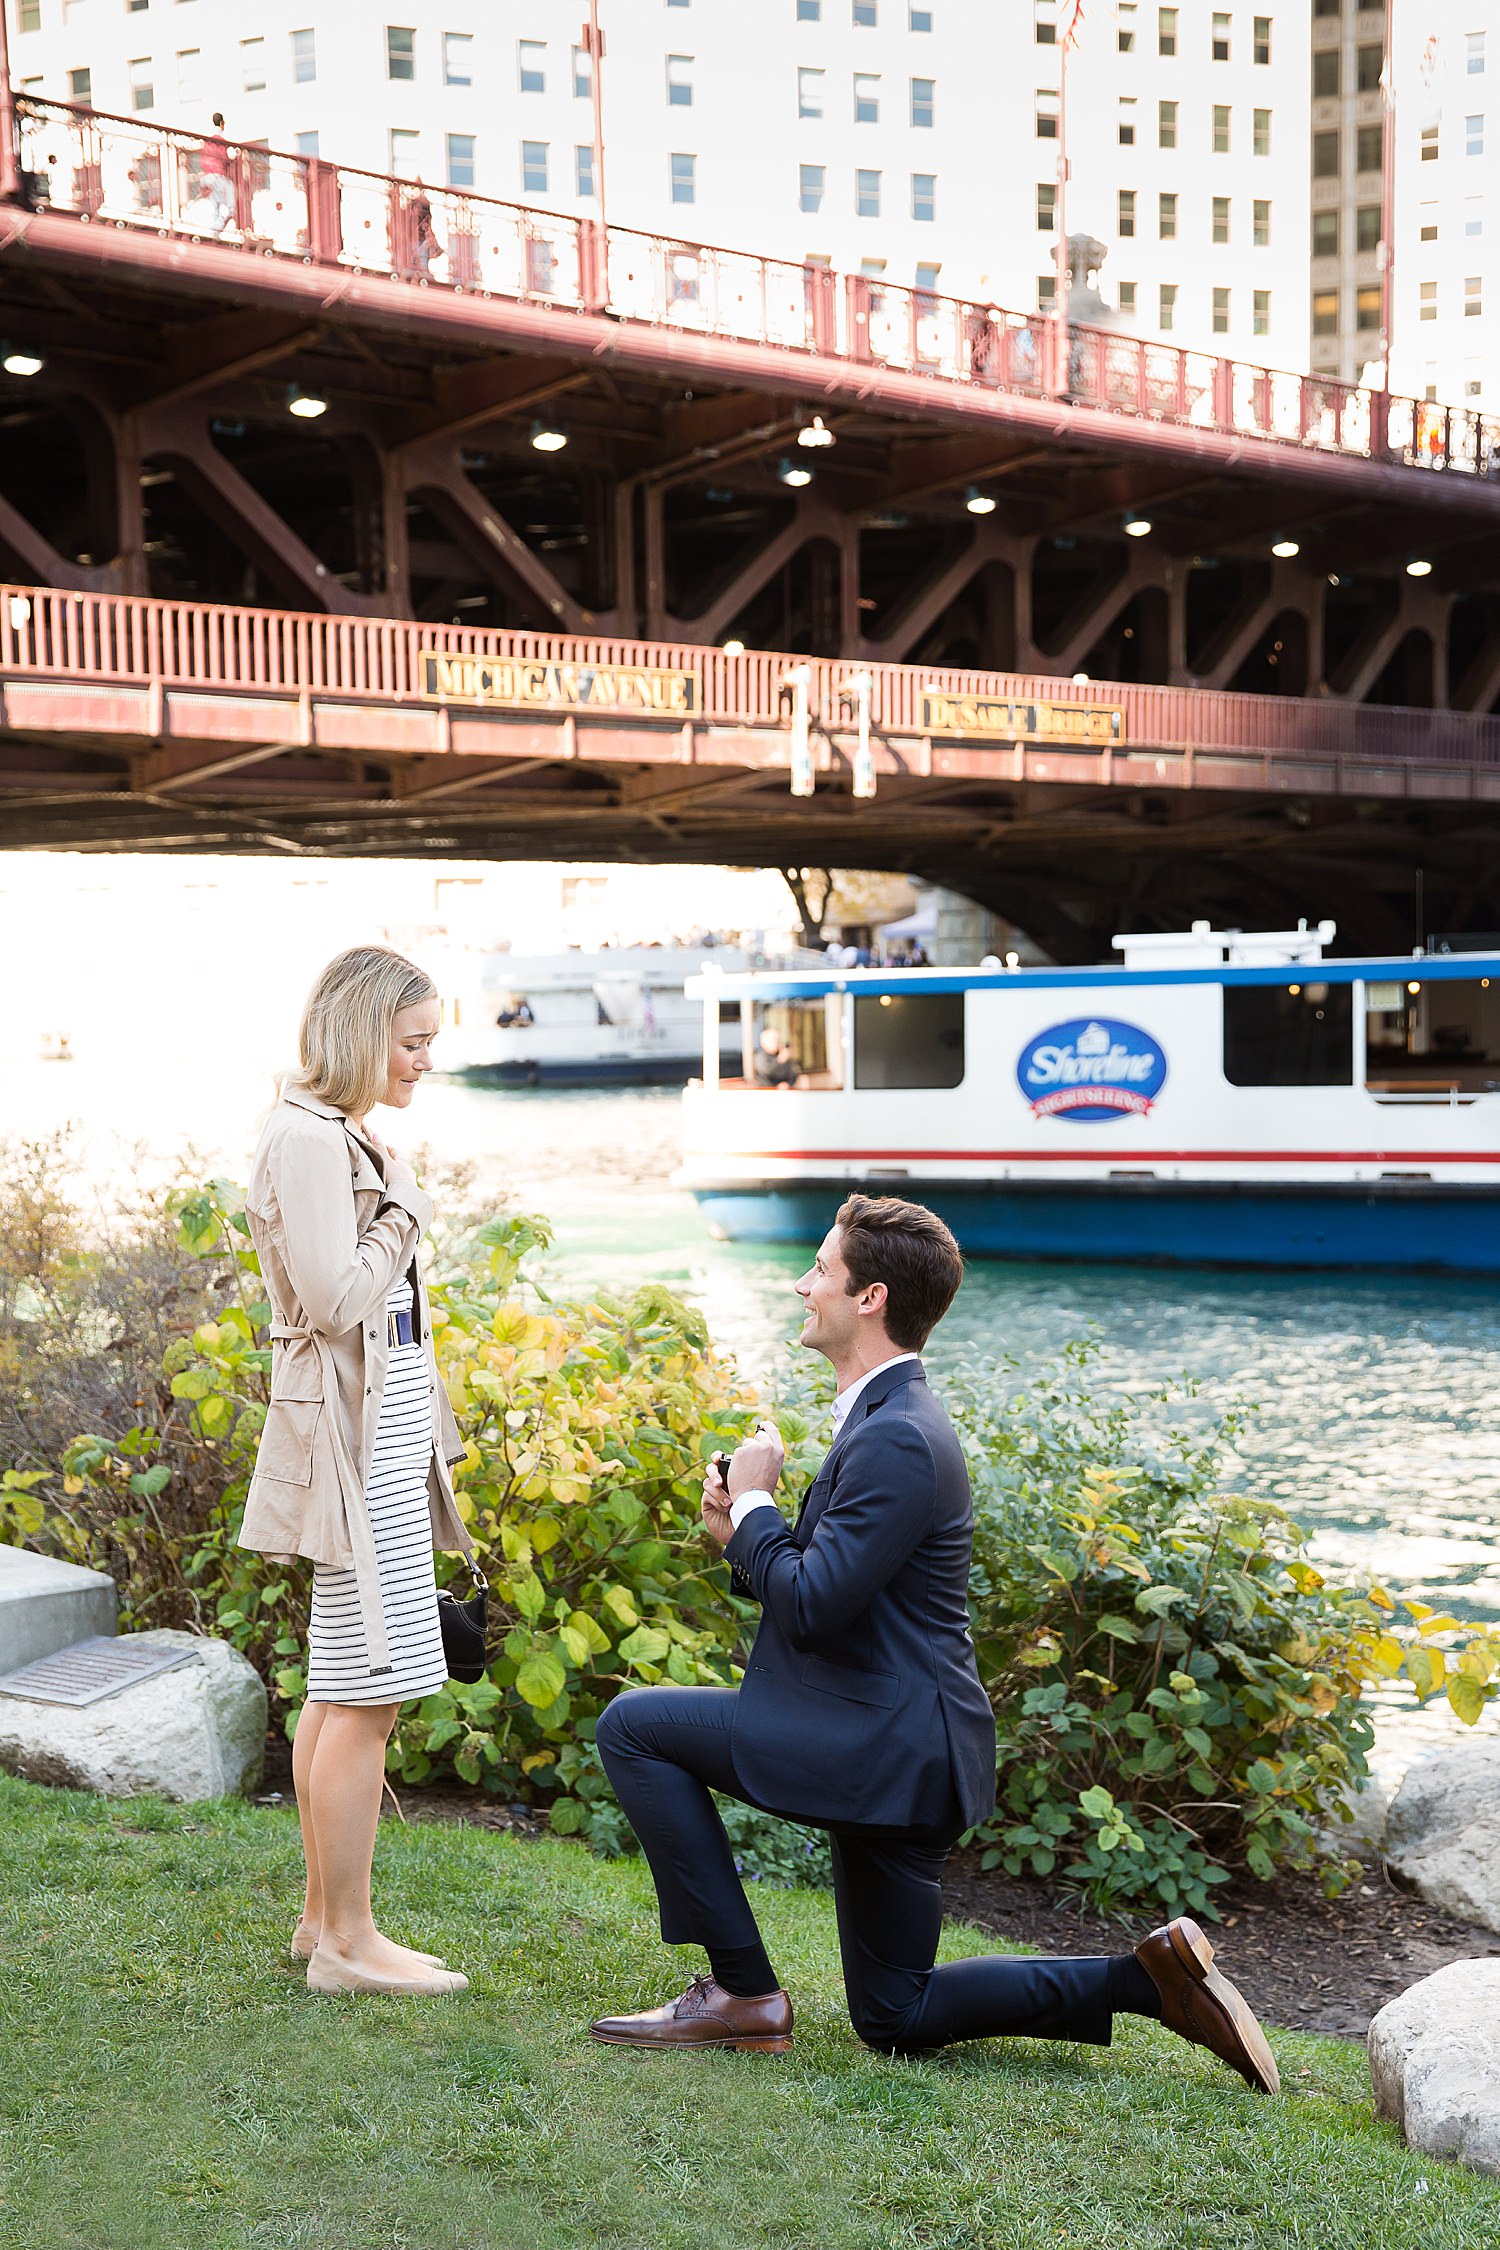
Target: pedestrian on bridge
x=352 y=1467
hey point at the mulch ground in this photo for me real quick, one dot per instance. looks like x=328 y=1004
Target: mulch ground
x=1304 y=1962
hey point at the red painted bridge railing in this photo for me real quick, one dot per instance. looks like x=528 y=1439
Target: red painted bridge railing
x=134 y=641
x=128 y=173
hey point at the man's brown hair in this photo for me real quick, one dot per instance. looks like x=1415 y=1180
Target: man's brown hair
x=884 y=1238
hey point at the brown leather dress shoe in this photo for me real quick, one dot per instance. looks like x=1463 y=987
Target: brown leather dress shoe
x=705 y=2016
x=1199 y=2003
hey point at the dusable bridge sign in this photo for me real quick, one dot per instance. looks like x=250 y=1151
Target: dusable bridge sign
x=1082 y=726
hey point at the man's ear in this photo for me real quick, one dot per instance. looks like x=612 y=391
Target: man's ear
x=873 y=1298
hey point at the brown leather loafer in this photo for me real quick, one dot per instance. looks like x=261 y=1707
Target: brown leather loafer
x=1200 y=2004
x=705 y=2016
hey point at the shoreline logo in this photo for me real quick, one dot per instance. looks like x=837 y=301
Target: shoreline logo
x=1091 y=1070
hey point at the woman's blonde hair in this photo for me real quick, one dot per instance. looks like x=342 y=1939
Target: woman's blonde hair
x=344 y=1042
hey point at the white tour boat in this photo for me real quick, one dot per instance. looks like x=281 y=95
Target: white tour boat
x=616 y=1016
x=1219 y=1097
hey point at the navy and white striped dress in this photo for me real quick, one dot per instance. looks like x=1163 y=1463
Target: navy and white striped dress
x=338 y=1669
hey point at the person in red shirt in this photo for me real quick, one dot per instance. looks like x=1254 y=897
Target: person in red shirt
x=213 y=170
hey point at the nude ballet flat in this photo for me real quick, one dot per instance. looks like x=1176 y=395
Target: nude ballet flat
x=302 y=1955
x=326 y=1975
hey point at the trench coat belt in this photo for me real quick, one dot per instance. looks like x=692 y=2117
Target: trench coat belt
x=356 y=1508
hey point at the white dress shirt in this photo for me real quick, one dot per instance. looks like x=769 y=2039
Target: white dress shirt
x=740 y=1508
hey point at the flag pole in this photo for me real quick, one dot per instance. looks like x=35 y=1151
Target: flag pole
x=1388 y=201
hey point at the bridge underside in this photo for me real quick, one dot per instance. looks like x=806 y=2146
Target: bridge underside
x=155 y=453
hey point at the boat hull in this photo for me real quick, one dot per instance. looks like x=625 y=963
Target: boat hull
x=583 y=1070
x=1390 y=1226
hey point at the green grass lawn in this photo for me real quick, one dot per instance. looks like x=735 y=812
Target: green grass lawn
x=167 y=2082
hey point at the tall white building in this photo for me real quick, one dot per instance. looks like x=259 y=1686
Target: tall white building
x=1446 y=278
x=913 y=139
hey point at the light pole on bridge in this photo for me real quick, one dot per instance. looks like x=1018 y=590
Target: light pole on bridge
x=592 y=39
x=10 y=162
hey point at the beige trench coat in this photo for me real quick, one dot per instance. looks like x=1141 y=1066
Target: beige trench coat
x=332 y=1237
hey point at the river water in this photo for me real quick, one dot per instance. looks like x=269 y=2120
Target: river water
x=1377 y=1416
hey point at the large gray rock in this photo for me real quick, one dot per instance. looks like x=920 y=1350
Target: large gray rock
x=196 y=1731
x=1435 y=2061
x=1443 y=1833
x=47 y=1605
x=1362 y=1836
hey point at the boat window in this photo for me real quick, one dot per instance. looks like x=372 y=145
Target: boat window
x=1432 y=1037
x=793 y=1043
x=909 y=1039
x=1289 y=1034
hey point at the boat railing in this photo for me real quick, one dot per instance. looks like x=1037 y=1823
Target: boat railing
x=1428 y=1093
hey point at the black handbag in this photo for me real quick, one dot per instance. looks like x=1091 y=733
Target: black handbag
x=465 y=1628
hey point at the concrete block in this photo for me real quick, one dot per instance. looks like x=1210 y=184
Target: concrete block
x=47 y=1605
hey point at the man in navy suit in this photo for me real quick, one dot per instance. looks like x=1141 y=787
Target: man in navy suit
x=862 y=1712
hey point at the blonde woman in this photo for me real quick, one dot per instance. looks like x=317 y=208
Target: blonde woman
x=352 y=1469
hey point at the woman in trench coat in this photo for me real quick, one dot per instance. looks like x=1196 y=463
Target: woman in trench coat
x=352 y=1468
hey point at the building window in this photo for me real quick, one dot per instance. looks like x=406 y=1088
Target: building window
x=304 y=58
x=534 y=167
x=812 y=180
x=927 y=281
x=1166 y=218
x=1221 y=312
x=1473 y=136
x=142 y=89
x=1166 y=31
x=1125 y=221
x=1325 y=73
x=1166 y=307
x=1367 y=227
x=1126 y=293
x=918 y=19
x=679 y=84
x=924 y=195
x=810 y=93
x=1325 y=234
x=1046 y=113
x=1125 y=127
x=1326 y=7
x=458 y=58
x=461 y=160
x=402 y=151
x=1474 y=54
x=1325 y=156
x=1220 y=38
x=29 y=15
x=682 y=172
x=531 y=65
x=1125 y=27
x=1044 y=22
x=1260 y=317
x=1428 y=301
x=1428 y=230
x=80 y=86
x=1262 y=43
x=1260 y=226
x=307 y=144
x=1369 y=62
x=1474 y=297
x=583 y=75
x=866 y=98
x=583 y=171
x=923 y=101
x=1369 y=144
x=1221 y=128
x=1221 y=218
x=1166 y=124
x=1289 y=1034
x=252 y=68
x=1261 y=138
x=1473 y=216
x=400 y=51
x=867 y=195
x=865 y=14
x=1046 y=207
x=190 y=75
x=1325 y=317
x=809 y=11
x=909 y=1040
x=1366 y=309
x=1429 y=144
x=1046 y=292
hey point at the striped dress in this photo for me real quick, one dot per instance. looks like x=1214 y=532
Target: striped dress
x=338 y=1666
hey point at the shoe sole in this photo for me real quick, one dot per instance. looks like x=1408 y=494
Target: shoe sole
x=771 y=2045
x=1194 y=1951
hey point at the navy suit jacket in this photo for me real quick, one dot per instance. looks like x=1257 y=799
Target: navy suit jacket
x=861 y=1703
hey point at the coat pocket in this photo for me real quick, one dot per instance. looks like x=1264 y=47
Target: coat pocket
x=285 y=1452
x=852 y=1682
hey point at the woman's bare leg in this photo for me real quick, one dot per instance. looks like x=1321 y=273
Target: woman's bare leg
x=304 y=1742
x=345 y=1778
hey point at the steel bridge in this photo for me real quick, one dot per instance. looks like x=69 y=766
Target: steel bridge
x=315 y=411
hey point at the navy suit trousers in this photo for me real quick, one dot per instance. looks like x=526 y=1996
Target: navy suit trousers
x=666 y=1748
